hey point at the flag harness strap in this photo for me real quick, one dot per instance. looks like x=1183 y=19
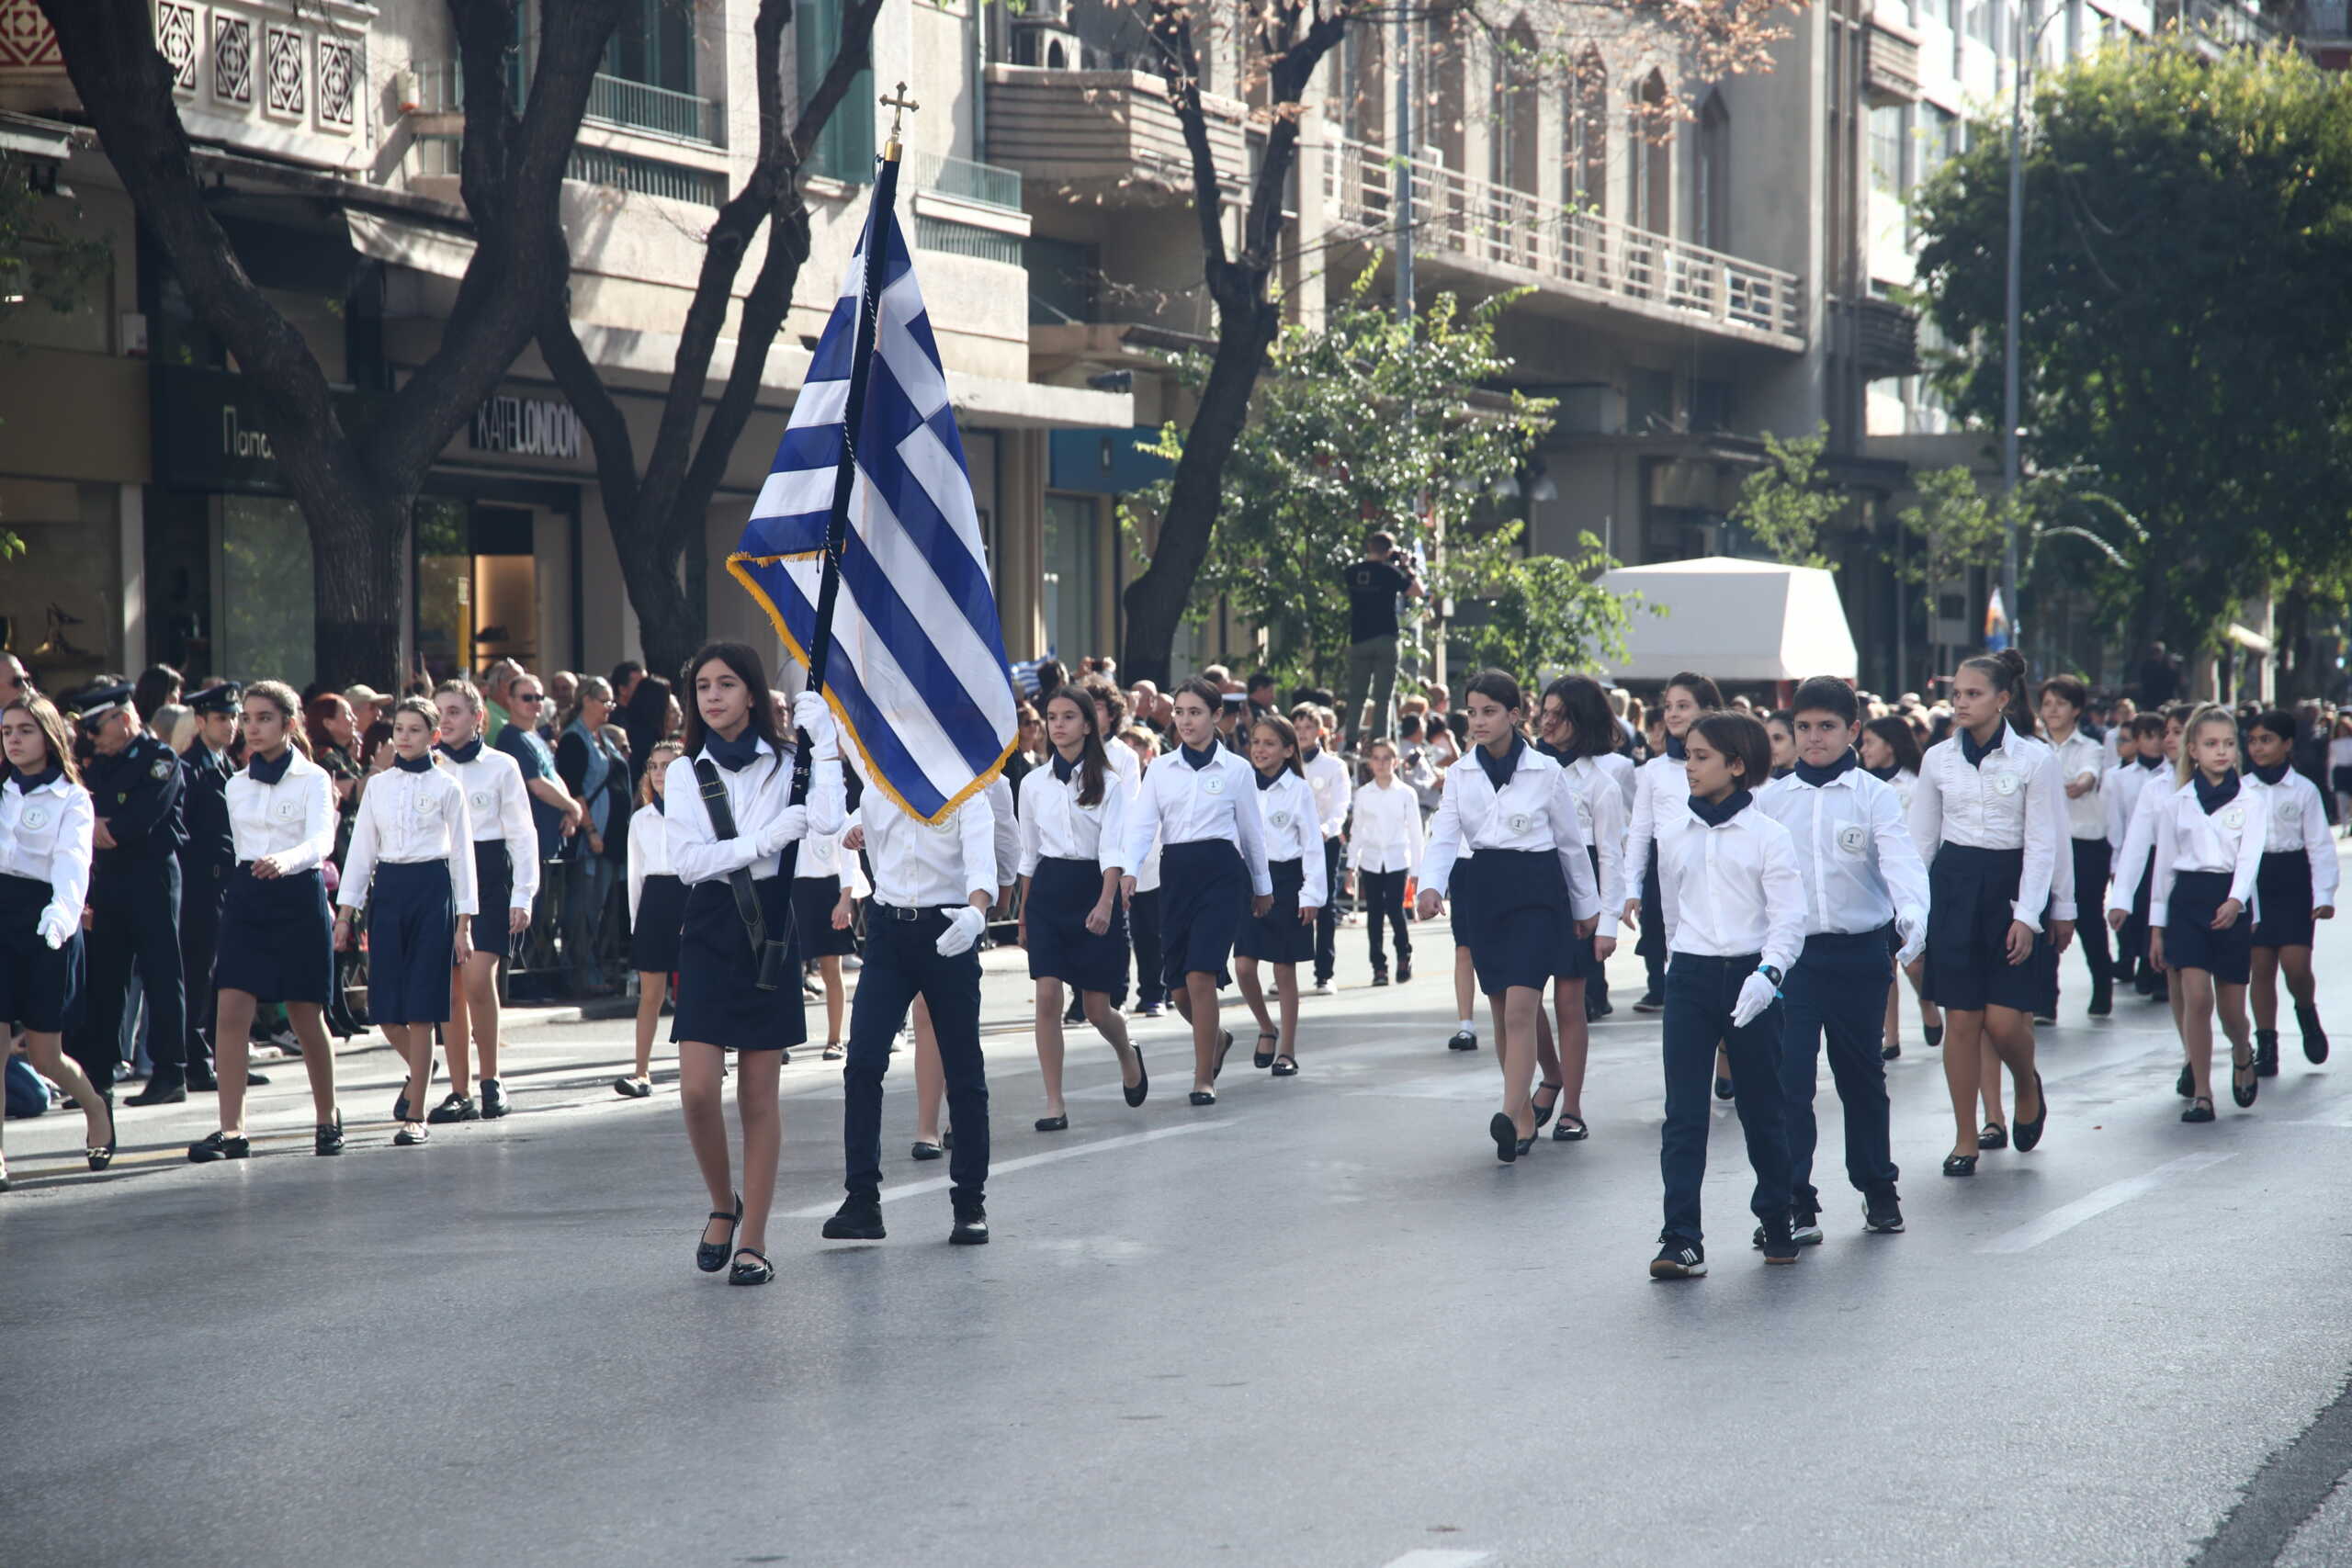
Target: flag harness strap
x=772 y=957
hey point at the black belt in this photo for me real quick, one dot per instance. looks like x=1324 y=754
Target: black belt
x=898 y=912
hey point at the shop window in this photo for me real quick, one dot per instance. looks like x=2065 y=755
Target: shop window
x=1071 y=549
x=267 y=605
x=476 y=586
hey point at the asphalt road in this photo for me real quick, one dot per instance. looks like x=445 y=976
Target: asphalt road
x=1315 y=1324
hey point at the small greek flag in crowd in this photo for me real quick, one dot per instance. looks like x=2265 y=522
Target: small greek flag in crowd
x=917 y=671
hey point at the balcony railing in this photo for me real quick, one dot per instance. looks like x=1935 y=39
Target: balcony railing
x=985 y=184
x=439 y=156
x=612 y=101
x=1582 y=254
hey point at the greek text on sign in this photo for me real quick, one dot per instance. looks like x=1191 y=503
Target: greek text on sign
x=528 y=427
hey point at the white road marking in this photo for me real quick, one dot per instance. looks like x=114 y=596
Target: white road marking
x=1001 y=1168
x=1430 y=1557
x=2061 y=1219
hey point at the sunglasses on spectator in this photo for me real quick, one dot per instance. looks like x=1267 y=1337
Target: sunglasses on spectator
x=528 y=698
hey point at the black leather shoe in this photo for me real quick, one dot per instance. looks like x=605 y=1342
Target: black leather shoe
x=1992 y=1135
x=101 y=1156
x=1543 y=1113
x=1960 y=1165
x=928 y=1151
x=219 y=1146
x=2184 y=1086
x=710 y=1257
x=2314 y=1036
x=1203 y=1097
x=1142 y=1086
x=2028 y=1133
x=971 y=1228
x=2266 y=1052
x=203 y=1080
x=1054 y=1123
x=1380 y=978
x=751 y=1268
x=454 y=1107
x=858 y=1219
x=255 y=1079
x=493 y=1099
x=1506 y=1136
x=1404 y=970
x=159 y=1091
x=327 y=1139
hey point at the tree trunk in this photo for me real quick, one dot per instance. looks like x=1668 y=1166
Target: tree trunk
x=357 y=566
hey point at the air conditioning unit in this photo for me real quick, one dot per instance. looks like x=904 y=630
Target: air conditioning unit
x=1588 y=409
x=1047 y=42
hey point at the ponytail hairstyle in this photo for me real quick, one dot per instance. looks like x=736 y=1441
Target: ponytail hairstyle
x=417 y=706
x=1285 y=732
x=2209 y=714
x=653 y=764
x=280 y=695
x=1705 y=693
x=2005 y=669
x=1093 y=761
x=54 y=734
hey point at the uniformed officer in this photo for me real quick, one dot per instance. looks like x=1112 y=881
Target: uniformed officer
x=206 y=861
x=135 y=785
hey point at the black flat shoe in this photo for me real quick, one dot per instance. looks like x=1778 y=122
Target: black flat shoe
x=1225 y=1043
x=411 y=1134
x=327 y=1138
x=2199 y=1110
x=2029 y=1133
x=2184 y=1086
x=633 y=1088
x=1262 y=1060
x=2244 y=1083
x=758 y=1270
x=1464 y=1040
x=1543 y=1111
x=1506 y=1136
x=1960 y=1165
x=858 y=1219
x=1203 y=1097
x=160 y=1092
x=454 y=1107
x=1285 y=1066
x=219 y=1146
x=101 y=1156
x=1724 y=1089
x=1052 y=1124
x=2314 y=1037
x=1992 y=1136
x=1142 y=1086
x=928 y=1151
x=710 y=1257
x=1380 y=980
x=493 y=1099
x=255 y=1079
x=400 y=1107
x=971 y=1228
x=1571 y=1130
x=1935 y=1033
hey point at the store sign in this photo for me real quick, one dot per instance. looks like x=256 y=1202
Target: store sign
x=526 y=427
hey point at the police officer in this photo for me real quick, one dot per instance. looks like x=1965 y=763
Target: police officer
x=205 y=860
x=135 y=784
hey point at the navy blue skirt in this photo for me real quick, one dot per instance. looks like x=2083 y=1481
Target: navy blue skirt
x=1203 y=897
x=1969 y=894
x=660 y=912
x=493 y=896
x=719 y=1001
x=40 y=986
x=411 y=928
x=277 y=938
x=1062 y=892
x=2282 y=901
x=1276 y=936
x=1512 y=911
x=813 y=898
x=2191 y=941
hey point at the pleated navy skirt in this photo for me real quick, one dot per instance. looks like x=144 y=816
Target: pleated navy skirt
x=277 y=938
x=2282 y=901
x=1276 y=936
x=660 y=912
x=1970 y=892
x=1512 y=911
x=493 y=896
x=412 y=929
x=1062 y=892
x=813 y=898
x=719 y=1001
x=1581 y=959
x=2190 y=941
x=40 y=986
x=1204 y=898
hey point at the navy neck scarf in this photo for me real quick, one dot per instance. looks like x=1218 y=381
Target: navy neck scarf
x=1887 y=775
x=1268 y=781
x=1063 y=767
x=2151 y=763
x=414 y=765
x=1499 y=769
x=263 y=771
x=28 y=783
x=1715 y=813
x=463 y=754
x=1196 y=761
x=2211 y=796
x=1675 y=748
x=1974 y=755
x=2273 y=776
x=1845 y=763
x=733 y=755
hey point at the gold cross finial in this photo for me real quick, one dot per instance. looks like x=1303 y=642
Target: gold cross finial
x=898 y=102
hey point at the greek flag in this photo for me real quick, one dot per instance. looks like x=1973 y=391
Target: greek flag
x=916 y=675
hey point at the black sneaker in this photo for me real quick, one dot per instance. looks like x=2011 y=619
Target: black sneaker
x=1651 y=1002
x=1404 y=969
x=1380 y=977
x=1679 y=1259
x=971 y=1227
x=454 y=1107
x=1805 y=1226
x=1779 y=1246
x=493 y=1099
x=327 y=1137
x=858 y=1219
x=2045 y=1020
x=2102 y=1004
x=1464 y=1040
x=2266 y=1052
x=1881 y=1212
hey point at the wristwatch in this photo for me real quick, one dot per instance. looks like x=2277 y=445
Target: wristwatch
x=1769 y=974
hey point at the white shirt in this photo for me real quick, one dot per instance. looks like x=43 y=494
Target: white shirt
x=293 y=820
x=1733 y=890
x=1624 y=772
x=2298 y=821
x=2086 y=813
x=2009 y=801
x=2339 y=752
x=1661 y=809
x=408 y=819
x=2229 y=841
x=1327 y=778
x=2155 y=803
x=48 y=836
x=649 y=851
x=1004 y=832
x=1293 y=831
x=1053 y=826
x=1601 y=816
x=921 y=865
x=2119 y=793
x=1854 y=850
x=1386 y=832
x=1186 y=804
x=757 y=794
x=499 y=806
x=1904 y=783
x=1536 y=809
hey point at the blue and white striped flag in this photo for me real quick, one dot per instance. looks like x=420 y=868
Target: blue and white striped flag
x=917 y=673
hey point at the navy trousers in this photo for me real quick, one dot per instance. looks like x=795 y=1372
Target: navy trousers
x=1327 y=920
x=1838 y=988
x=1143 y=925
x=902 y=963
x=200 y=891
x=135 y=928
x=1700 y=994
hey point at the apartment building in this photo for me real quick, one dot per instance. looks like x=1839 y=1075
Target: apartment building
x=131 y=462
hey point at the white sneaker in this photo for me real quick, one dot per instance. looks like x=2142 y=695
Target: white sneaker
x=1323 y=988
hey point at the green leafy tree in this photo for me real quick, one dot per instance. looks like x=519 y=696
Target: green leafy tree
x=2186 y=326
x=1786 y=503
x=1959 y=525
x=1373 y=423
x=42 y=262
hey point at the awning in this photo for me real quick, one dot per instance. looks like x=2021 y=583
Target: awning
x=2245 y=637
x=1733 y=620
x=403 y=242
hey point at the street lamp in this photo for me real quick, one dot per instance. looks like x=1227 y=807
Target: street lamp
x=2027 y=39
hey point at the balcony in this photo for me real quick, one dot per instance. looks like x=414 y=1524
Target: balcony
x=435 y=166
x=612 y=102
x=1508 y=235
x=1891 y=65
x=1112 y=134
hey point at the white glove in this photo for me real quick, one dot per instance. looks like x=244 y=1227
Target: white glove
x=810 y=714
x=1755 y=995
x=1913 y=933
x=58 y=925
x=964 y=929
x=791 y=824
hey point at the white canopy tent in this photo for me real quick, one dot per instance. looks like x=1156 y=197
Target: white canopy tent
x=1737 y=621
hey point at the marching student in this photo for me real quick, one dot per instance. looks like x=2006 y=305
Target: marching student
x=1985 y=814
x=1383 y=852
x=2209 y=852
x=2297 y=887
x=1291 y=819
x=1865 y=898
x=47 y=837
x=2082 y=762
x=1575 y=725
x=2129 y=893
x=1736 y=919
x=1659 y=790
x=276 y=937
x=1201 y=803
x=1071 y=924
x=657 y=909
x=1528 y=893
x=1890 y=753
x=1780 y=725
x=2140 y=753
x=507 y=876
x=411 y=866
x=726 y=807
x=1143 y=909
x=1326 y=777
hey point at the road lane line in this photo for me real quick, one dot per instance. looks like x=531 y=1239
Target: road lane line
x=1430 y=1557
x=2061 y=1219
x=1002 y=1167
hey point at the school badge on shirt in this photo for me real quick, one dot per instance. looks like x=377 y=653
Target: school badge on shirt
x=2005 y=784
x=36 y=818
x=286 y=810
x=1852 y=838
x=1214 y=784
x=1278 y=818
x=479 y=800
x=1520 y=821
x=2234 y=816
